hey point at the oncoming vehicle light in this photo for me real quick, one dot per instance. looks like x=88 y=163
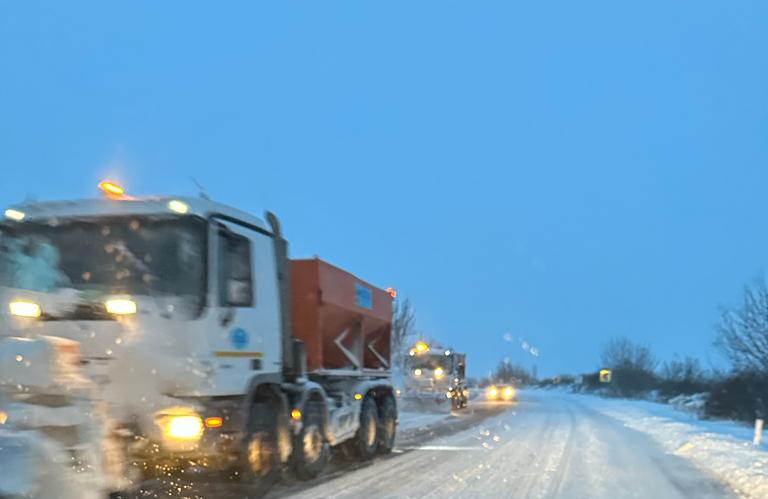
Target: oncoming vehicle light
x=179 y=207
x=21 y=308
x=121 y=306
x=509 y=392
x=14 y=214
x=184 y=427
x=439 y=372
x=296 y=414
x=3 y=417
x=417 y=372
x=492 y=392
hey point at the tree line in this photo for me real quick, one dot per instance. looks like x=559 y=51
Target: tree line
x=739 y=391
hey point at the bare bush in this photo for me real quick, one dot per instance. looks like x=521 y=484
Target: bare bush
x=684 y=376
x=687 y=369
x=624 y=353
x=633 y=367
x=507 y=372
x=743 y=331
x=403 y=321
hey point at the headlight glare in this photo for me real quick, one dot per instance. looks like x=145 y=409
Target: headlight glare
x=21 y=308
x=183 y=427
x=121 y=306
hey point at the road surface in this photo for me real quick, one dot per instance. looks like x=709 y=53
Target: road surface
x=542 y=446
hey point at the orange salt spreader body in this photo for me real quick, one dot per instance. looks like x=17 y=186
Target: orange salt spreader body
x=344 y=322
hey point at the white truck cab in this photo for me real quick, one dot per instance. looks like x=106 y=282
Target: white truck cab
x=196 y=280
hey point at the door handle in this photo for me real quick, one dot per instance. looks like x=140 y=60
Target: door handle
x=227 y=316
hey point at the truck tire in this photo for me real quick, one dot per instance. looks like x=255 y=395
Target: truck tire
x=310 y=450
x=387 y=424
x=259 y=468
x=364 y=444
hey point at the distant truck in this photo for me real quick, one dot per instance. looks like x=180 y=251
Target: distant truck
x=205 y=342
x=435 y=378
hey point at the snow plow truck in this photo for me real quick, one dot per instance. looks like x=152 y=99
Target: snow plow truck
x=143 y=336
x=434 y=379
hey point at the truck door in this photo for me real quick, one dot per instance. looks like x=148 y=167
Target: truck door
x=247 y=341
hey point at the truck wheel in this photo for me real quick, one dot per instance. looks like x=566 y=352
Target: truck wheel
x=310 y=450
x=365 y=442
x=259 y=468
x=387 y=425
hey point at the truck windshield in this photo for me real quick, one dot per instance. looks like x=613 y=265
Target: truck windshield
x=136 y=255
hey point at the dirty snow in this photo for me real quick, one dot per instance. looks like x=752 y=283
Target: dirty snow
x=415 y=420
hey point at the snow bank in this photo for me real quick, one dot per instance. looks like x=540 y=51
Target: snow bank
x=723 y=449
x=693 y=404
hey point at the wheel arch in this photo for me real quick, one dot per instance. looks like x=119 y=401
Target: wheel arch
x=312 y=392
x=378 y=391
x=264 y=388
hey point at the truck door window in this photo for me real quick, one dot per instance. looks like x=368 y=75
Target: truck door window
x=236 y=274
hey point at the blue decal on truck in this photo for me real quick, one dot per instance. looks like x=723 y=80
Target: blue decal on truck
x=363 y=296
x=239 y=338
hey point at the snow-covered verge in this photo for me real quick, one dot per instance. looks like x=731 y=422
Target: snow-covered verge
x=723 y=449
x=692 y=404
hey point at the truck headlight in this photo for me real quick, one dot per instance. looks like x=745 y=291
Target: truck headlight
x=509 y=392
x=21 y=308
x=184 y=427
x=121 y=306
x=181 y=427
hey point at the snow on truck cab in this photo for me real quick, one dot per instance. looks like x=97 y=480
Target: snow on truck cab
x=206 y=342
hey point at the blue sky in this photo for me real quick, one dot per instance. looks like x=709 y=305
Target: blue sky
x=562 y=172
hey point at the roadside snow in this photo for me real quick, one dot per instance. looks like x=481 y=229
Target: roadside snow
x=693 y=404
x=723 y=449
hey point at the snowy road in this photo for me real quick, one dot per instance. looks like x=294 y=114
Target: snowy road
x=543 y=446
